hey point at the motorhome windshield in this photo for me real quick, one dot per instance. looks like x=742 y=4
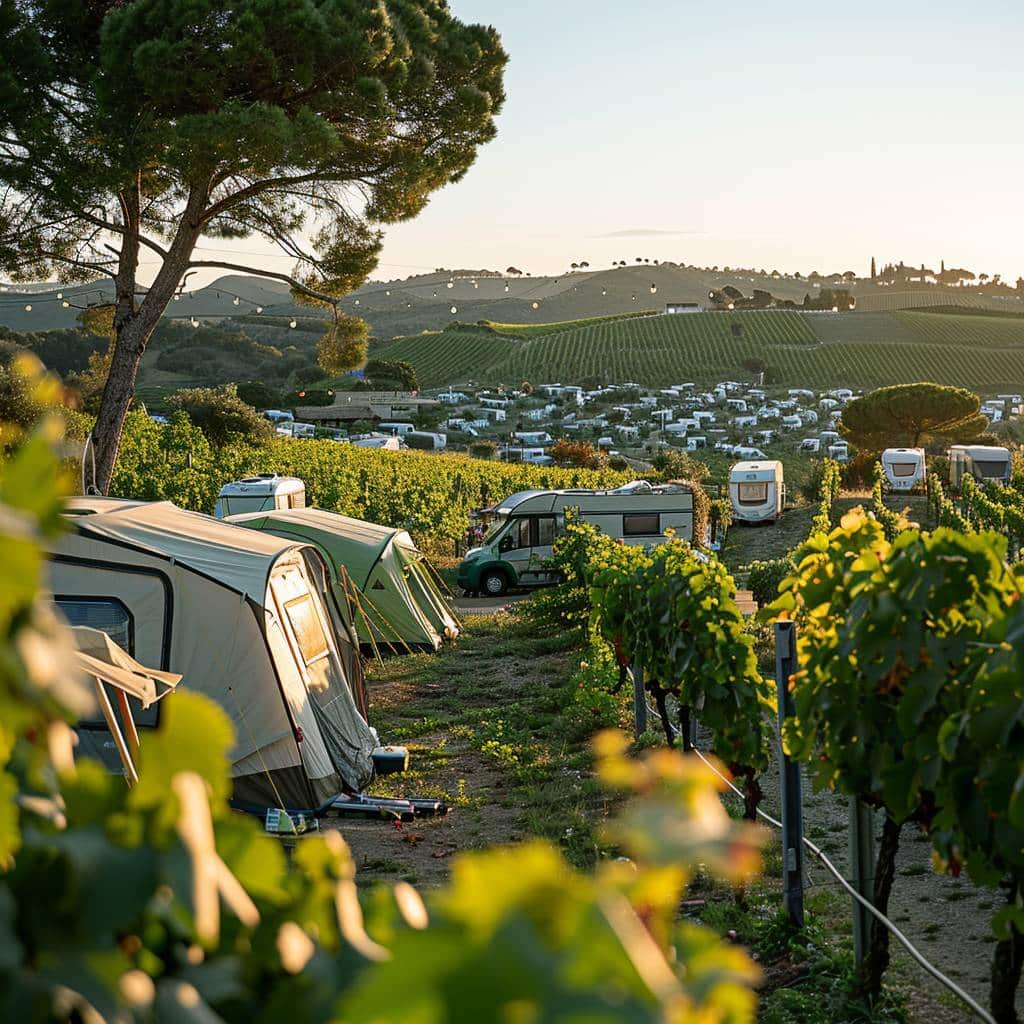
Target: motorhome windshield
x=496 y=527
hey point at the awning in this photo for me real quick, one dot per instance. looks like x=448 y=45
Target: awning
x=100 y=657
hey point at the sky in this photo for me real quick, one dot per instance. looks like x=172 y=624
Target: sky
x=792 y=135
x=789 y=135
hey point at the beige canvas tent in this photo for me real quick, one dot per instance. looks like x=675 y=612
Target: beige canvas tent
x=239 y=615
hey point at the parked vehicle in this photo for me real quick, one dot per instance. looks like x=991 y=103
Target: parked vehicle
x=426 y=440
x=396 y=429
x=757 y=491
x=904 y=468
x=260 y=494
x=517 y=547
x=986 y=463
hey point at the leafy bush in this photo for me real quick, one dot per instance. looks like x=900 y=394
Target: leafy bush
x=679 y=465
x=221 y=415
x=765 y=576
x=579 y=454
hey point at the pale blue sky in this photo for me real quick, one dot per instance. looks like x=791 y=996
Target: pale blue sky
x=795 y=135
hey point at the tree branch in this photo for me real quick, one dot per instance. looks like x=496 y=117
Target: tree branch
x=269 y=274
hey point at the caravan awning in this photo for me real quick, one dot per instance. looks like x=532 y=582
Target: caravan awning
x=100 y=657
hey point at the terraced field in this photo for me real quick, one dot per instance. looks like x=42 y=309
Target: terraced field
x=976 y=350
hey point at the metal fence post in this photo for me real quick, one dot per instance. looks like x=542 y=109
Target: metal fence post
x=862 y=864
x=792 y=807
x=639 y=700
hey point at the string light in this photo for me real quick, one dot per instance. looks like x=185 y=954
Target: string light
x=450 y=284
x=654 y=289
x=506 y=286
x=357 y=302
x=236 y=301
x=66 y=304
x=455 y=309
x=259 y=309
x=60 y=295
x=195 y=322
x=293 y=324
x=177 y=298
x=604 y=291
x=28 y=308
x=536 y=305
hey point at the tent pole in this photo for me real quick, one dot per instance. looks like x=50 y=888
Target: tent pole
x=122 y=748
x=130 y=730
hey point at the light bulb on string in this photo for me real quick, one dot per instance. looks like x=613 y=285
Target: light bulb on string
x=28 y=308
x=293 y=324
x=60 y=295
x=195 y=322
x=536 y=305
x=475 y=285
x=450 y=284
x=259 y=309
x=633 y=297
x=66 y=304
x=604 y=291
x=506 y=287
x=236 y=301
x=654 y=289
x=387 y=291
x=177 y=298
x=357 y=302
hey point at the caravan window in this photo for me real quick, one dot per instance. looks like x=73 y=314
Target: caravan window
x=234 y=506
x=903 y=469
x=752 y=493
x=991 y=468
x=113 y=618
x=641 y=524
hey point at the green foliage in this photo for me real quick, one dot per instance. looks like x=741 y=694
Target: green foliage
x=392 y=375
x=221 y=415
x=887 y=632
x=892 y=522
x=764 y=578
x=679 y=465
x=911 y=415
x=20 y=400
x=258 y=395
x=343 y=345
x=828 y=490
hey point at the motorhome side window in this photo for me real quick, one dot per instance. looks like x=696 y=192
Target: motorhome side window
x=752 y=493
x=546 y=531
x=641 y=524
x=111 y=617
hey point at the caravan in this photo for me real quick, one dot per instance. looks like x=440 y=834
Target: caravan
x=240 y=617
x=986 y=463
x=260 y=494
x=757 y=491
x=904 y=468
x=516 y=550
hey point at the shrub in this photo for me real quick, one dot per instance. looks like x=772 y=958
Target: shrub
x=221 y=415
x=679 y=465
x=483 y=449
x=765 y=576
x=580 y=454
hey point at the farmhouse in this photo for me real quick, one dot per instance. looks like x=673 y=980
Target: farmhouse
x=364 y=405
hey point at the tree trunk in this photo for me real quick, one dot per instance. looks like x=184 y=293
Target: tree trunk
x=869 y=976
x=685 y=728
x=1006 y=968
x=134 y=327
x=659 y=700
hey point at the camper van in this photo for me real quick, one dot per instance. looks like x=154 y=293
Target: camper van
x=426 y=440
x=757 y=491
x=241 y=618
x=516 y=549
x=396 y=429
x=260 y=494
x=904 y=468
x=986 y=463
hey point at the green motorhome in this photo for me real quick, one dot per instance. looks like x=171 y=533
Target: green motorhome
x=517 y=547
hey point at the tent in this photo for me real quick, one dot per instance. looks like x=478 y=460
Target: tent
x=240 y=617
x=378 y=569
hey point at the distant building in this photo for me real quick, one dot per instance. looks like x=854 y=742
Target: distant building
x=350 y=406
x=683 y=307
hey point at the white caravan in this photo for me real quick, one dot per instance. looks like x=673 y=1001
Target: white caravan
x=904 y=468
x=757 y=491
x=262 y=493
x=517 y=548
x=986 y=463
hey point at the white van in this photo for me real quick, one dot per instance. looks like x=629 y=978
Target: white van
x=426 y=440
x=757 y=491
x=904 y=468
x=516 y=549
x=260 y=494
x=986 y=463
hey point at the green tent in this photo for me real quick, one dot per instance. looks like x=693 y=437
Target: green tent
x=376 y=570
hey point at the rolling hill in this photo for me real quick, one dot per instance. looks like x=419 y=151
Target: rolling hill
x=800 y=349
